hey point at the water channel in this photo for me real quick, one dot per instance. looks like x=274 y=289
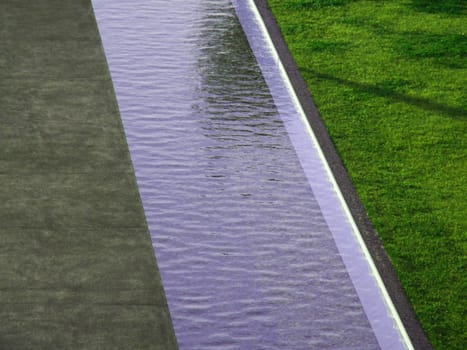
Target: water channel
x=244 y=219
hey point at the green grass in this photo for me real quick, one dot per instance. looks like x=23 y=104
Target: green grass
x=389 y=81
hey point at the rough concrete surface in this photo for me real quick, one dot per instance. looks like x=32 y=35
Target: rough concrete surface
x=77 y=268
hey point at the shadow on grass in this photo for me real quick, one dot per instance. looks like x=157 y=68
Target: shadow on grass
x=451 y=7
x=388 y=91
x=420 y=44
x=446 y=50
x=315 y=4
x=334 y=47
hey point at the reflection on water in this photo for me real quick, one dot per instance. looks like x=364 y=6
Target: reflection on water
x=235 y=109
x=236 y=100
x=246 y=257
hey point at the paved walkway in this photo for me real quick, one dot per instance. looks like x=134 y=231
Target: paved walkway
x=77 y=269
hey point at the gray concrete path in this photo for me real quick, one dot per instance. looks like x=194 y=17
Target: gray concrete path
x=77 y=269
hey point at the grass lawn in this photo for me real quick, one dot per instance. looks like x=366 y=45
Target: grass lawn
x=389 y=79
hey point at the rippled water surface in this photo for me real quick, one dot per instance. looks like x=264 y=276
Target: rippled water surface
x=246 y=257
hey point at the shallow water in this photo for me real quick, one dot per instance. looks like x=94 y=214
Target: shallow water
x=247 y=258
